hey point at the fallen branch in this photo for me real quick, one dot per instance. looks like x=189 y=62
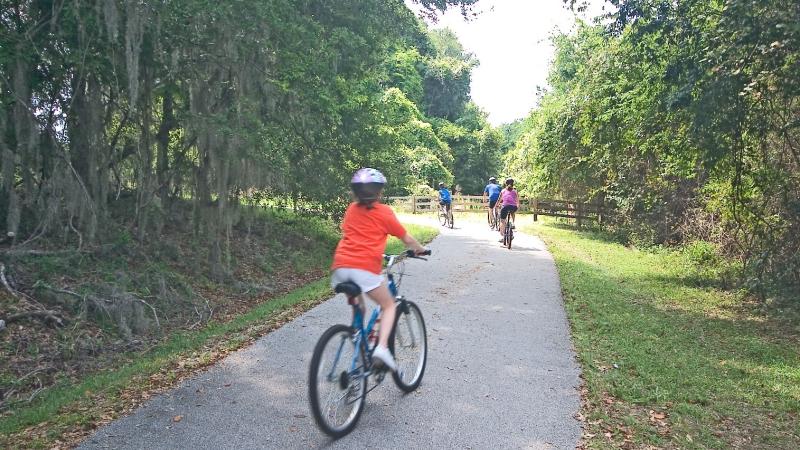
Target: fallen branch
x=34 y=372
x=6 y=399
x=47 y=316
x=22 y=252
x=97 y=302
x=35 y=393
x=16 y=294
x=5 y=281
x=158 y=324
x=60 y=291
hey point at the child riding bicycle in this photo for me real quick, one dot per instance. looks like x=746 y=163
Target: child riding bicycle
x=359 y=255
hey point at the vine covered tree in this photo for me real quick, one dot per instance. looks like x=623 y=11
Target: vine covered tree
x=684 y=115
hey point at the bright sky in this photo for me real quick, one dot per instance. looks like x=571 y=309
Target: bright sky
x=510 y=38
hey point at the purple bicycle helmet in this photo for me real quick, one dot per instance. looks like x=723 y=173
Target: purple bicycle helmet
x=367 y=176
x=367 y=185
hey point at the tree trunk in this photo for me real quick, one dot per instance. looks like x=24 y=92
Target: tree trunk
x=9 y=167
x=163 y=136
x=145 y=184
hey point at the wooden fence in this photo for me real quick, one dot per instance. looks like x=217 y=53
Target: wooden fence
x=570 y=209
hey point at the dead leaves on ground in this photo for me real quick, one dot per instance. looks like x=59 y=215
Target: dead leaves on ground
x=97 y=409
x=605 y=419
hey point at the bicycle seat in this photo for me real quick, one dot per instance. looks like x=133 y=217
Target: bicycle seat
x=348 y=288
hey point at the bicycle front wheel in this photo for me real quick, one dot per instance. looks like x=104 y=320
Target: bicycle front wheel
x=337 y=386
x=409 y=343
x=451 y=219
x=442 y=218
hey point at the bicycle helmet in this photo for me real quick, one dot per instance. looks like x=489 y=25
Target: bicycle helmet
x=492 y=180
x=509 y=181
x=367 y=184
x=441 y=185
x=368 y=176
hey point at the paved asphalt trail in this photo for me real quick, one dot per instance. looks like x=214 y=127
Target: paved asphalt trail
x=501 y=370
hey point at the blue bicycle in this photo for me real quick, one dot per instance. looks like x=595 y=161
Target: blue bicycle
x=342 y=363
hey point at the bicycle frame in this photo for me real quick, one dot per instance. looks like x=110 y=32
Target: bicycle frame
x=361 y=331
x=495 y=215
x=508 y=232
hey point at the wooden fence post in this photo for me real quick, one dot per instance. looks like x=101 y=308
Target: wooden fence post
x=578 y=213
x=413 y=204
x=535 y=209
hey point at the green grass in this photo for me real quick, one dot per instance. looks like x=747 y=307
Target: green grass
x=69 y=406
x=420 y=232
x=669 y=360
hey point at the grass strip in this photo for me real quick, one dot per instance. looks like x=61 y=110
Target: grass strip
x=668 y=359
x=422 y=233
x=75 y=408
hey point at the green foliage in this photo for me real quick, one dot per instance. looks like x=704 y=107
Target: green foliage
x=683 y=116
x=167 y=101
x=446 y=85
x=444 y=137
x=403 y=69
x=476 y=148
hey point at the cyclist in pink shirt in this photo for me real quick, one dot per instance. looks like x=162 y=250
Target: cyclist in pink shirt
x=509 y=197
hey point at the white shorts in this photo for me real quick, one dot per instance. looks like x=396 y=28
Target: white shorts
x=365 y=279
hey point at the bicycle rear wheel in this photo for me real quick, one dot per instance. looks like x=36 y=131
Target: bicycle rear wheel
x=337 y=386
x=450 y=218
x=442 y=217
x=409 y=343
x=508 y=235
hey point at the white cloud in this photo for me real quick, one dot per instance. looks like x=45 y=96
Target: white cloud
x=511 y=40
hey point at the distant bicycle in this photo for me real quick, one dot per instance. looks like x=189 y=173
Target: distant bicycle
x=493 y=217
x=342 y=361
x=446 y=216
x=508 y=232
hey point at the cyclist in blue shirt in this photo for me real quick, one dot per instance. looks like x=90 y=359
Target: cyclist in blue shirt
x=493 y=191
x=444 y=197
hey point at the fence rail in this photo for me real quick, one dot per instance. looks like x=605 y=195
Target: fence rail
x=570 y=209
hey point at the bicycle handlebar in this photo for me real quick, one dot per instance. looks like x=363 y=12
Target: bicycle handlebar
x=413 y=254
x=391 y=259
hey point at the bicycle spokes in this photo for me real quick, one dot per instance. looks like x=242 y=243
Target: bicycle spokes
x=337 y=380
x=410 y=348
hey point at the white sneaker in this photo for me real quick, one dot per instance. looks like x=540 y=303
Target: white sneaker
x=383 y=355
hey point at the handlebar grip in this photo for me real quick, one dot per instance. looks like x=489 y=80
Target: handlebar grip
x=412 y=254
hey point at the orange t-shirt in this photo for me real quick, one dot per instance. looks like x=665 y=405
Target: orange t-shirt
x=364 y=233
